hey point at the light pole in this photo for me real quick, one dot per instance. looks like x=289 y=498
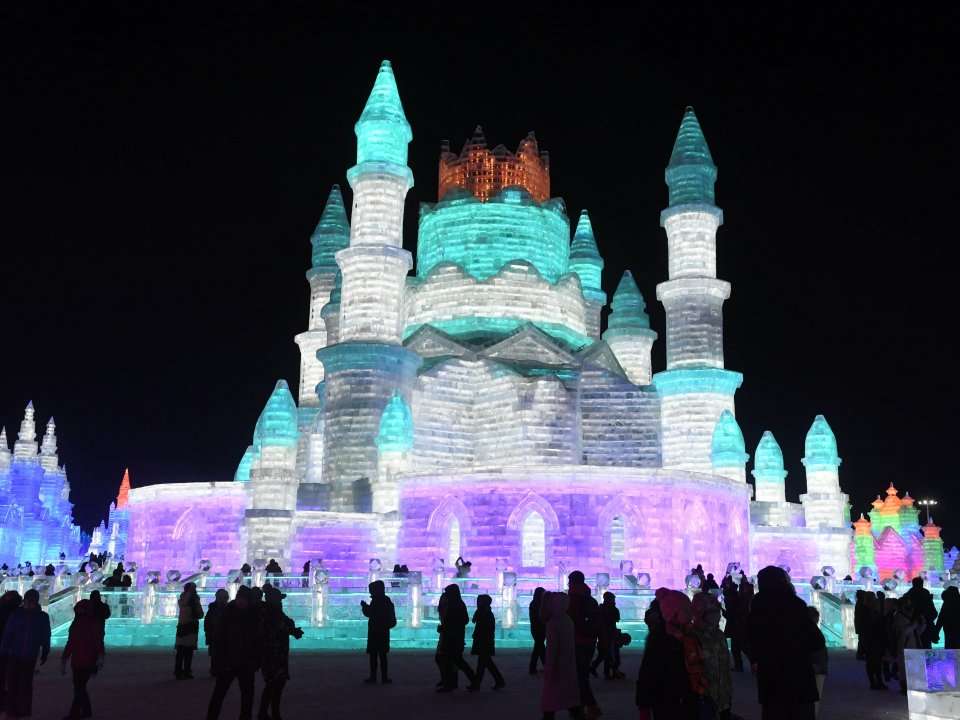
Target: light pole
x=927 y=503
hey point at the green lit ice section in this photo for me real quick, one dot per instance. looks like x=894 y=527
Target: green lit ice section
x=585 y=258
x=396 y=426
x=480 y=329
x=820 y=446
x=277 y=425
x=332 y=232
x=728 y=448
x=243 y=469
x=382 y=130
x=482 y=237
x=691 y=173
x=768 y=461
x=629 y=310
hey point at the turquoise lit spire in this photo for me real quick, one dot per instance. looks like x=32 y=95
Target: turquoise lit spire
x=768 y=460
x=585 y=258
x=277 y=425
x=396 y=426
x=332 y=232
x=628 y=310
x=728 y=448
x=337 y=291
x=820 y=446
x=691 y=173
x=382 y=130
x=246 y=462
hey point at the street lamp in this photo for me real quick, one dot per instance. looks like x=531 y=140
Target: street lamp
x=927 y=503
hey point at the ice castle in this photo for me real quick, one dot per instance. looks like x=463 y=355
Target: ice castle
x=36 y=515
x=478 y=408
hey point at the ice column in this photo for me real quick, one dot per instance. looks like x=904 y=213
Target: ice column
x=48 y=448
x=728 y=453
x=628 y=331
x=768 y=472
x=586 y=262
x=5 y=457
x=331 y=311
x=25 y=448
x=368 y=365
x=824 y=505
x=694 y=388
x=331 y=235
x=273 y=479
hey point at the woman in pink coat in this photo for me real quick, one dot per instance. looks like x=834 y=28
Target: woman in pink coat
x=560 y=689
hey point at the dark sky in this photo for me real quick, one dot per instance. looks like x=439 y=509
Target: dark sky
x=162 y=172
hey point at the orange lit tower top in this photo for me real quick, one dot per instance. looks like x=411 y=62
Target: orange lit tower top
x=485 y=172
x=124 y=494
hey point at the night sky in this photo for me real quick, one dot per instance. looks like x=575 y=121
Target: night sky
x=162 y=172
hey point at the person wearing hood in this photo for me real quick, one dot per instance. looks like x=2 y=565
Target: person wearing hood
x=212 y=620
x=381 y=618
x=453 y=631
x=84 y=650
x=484 y=643
x=713 y=649
x=277 y=629
x=781 y=638
x=671 y=681
x=585 y=613
x=188 y=631
x=237 y=652
x=949 y=619
x=560 y=689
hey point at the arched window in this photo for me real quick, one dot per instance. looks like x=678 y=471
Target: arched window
x=453 y=540
x=533 y=536
x=618 y=539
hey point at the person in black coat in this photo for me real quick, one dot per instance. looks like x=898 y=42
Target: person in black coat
x=276 y=630
x=923 y=609
x=213 y=619
x=484 y=643
x=538 y=631
x=453 y=631
x=949 y=619
x=237 y=651
x=381 y=617
x=663 y=685
x=781 y=638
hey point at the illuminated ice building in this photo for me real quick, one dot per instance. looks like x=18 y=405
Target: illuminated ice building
x=477 y=408
x=36 y=515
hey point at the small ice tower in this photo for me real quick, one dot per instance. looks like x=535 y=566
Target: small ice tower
x=728 y=453
x=628 y=331
x=586 y=262
x=824 y=505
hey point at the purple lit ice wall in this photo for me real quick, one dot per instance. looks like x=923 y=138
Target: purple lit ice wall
x=344 y=541
x=589 y=518
x=792 y=548
x=173 y=527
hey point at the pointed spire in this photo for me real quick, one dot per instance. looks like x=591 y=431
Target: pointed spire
x=26 y=444
x=691 y=174
x=820 y=446
x=382 y=130
x=477 y=141
x=123 y=494
x=48 y=447
x=585 y=258
x=768 y=459
x=332 y=232
x=277 y=425
x=396 y=426
x=246 y=462
x=4 y=450
x=728 y=448
x=628 y=309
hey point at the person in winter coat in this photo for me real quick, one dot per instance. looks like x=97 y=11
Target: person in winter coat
x=212 y=620
x=538 y=630
x=923 y=609
x=277 y=630
x=713 y=648
x=949 y=618
x=872 y=639
x=733 y=612
x=484 y=634
x=907 y=627
x=84 y=650
x=101 y=611
x=453 y=631
x=26 y=637
x=188 y=631
x=664 y=688
x=608 y=645
x=560 y=688
x=780 y=640
x=9 y=602
x=585 y=613
x=237 y=653
x=381 y=618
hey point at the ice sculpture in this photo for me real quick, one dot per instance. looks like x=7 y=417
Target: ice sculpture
x=586 y=262
x=823 y=504
x=728 y=452
x=628 y=331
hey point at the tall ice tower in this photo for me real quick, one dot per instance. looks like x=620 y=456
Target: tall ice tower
x=695 y=388
x=369 y=365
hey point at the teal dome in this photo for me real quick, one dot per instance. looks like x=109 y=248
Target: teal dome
x=396 y=426
x=585 y=258
x=691 y=173
x=628 y=309
x=820 y=446
x=768 y=460
x=277 y=425
x=728 y=448
x=382 y=130
x=332 y=232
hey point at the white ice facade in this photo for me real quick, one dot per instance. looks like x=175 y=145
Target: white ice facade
x=476 y=407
